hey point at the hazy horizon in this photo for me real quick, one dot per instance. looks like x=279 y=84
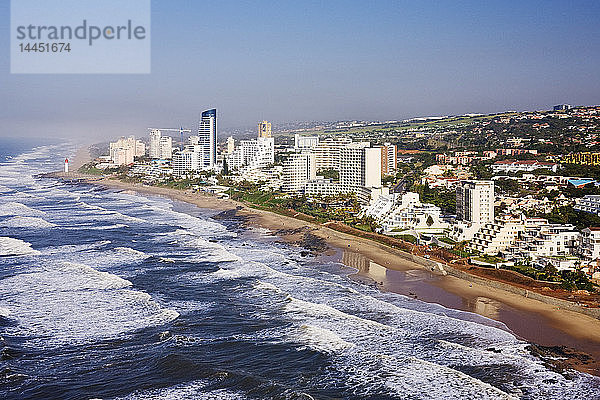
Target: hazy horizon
x=342 y=60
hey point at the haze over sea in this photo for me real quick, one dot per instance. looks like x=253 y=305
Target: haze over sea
x=107 y=294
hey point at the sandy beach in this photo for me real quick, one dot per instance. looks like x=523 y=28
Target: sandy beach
x=388 y=268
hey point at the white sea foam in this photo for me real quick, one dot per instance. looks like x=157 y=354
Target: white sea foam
x=400 y=346
x=27 y=222
x=260 y=285
x=4 y=312
x=387 y=331
x=18 y=209
x=96 y=227
x=209 y=251
x=73 y=303
x=98 y=210
x=193 y=390
x=15 y=247
x=131 y=252
x=75 y=249
x=321 y=339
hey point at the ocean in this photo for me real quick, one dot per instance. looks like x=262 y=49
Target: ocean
x=109 y=294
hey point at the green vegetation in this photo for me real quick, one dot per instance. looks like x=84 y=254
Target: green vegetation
x=489 y=259
x=90 y=169
x=445 y=199
x=568 y=280
x=329 y=174
x=447 y=240
x=408 y=238
x=568 y=215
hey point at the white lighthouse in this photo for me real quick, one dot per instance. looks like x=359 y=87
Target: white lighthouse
x=66 y=165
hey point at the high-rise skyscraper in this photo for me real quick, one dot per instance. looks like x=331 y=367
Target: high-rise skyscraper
x=360 y=169
x=298 y=169
x=207 y=138
x=264 y=129
x=388 y=159
x=155 y=136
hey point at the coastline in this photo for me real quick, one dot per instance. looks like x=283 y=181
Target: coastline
x=538 y=321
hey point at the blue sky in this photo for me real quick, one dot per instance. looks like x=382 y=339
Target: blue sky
x=321 y=60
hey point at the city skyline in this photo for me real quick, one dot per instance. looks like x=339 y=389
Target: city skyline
x=322 y=62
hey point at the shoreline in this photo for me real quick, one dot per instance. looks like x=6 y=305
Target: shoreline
x=536 y=320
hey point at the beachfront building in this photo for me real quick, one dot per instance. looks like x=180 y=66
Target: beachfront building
x=542 y=239
x=322 y=187
x=589 y=244
x=161 y=147
x=189 y=160
x=253 y=154
x=124 y=150
x=152 y=171
x=588 y=203
x=360 y=170
x=475 y=201
x=154 y=150
x=474 y=208
x=494 y=237
x=270 y=179
x=207 y=138
x=298 y=169
x=397 y=213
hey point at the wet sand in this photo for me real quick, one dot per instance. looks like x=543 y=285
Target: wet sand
x=529 y=321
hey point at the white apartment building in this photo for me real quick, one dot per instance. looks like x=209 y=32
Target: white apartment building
x=462 y=231
x=124 y=150
x=360 y=168
x=270 y=177
x=188 y=160
x=383 y=206
x=155 y=136
x=298 y=169
x=522 y=166
x=322 y=187
x=589 y=244
x=166 y=147
x=160 y=146
x=327 y=152
x=253 y=154
x=155 y=169
x=397 y=212
x=541 y=239
x=588 y=203
x=475 y=201
x=305 y=142
x=494 y=237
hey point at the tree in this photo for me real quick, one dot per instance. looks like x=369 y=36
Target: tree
x=429 y=220
x=225 y=167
